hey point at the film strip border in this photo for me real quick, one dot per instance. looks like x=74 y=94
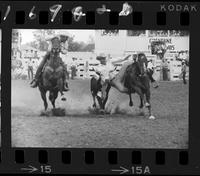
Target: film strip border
x=90 y=18
x=89 y=157
x=67 y=17
x=91 y=161
x=59 y=14
x=93 y=157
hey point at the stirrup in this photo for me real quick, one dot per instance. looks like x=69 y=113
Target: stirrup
x=156 y=86
x=34 y=85
x=65 y=89
x=99 y=94
x=147 y=104
x=32 y=81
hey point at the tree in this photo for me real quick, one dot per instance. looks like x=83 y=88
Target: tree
x=40 y=36
x=80 y=46
x=73 y=46
x=89 y=47
x=41 y=44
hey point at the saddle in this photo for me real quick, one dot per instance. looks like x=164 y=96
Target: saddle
x=49 y=67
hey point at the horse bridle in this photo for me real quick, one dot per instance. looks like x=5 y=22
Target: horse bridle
x=143 y=65
x=55 y=50
x=58 y=47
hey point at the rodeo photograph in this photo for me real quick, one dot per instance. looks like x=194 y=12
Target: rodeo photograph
x=81 y=88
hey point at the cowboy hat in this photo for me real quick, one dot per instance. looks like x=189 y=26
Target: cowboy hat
x=51 y=37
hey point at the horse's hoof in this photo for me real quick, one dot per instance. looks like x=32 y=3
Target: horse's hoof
x=147 y=104
x=94 y=106
x=63 y=99
x=99 y=94
x=131 y=104
x=102 y=111
x=152 y=117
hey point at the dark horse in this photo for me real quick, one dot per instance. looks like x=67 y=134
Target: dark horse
x=132 y=78
x=137 y=80
x=52 y=79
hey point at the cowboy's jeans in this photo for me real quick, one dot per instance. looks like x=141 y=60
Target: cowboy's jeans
x=184 y=80
x=41 y=66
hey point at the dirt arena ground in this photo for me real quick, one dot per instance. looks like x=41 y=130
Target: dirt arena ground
x=125 y=128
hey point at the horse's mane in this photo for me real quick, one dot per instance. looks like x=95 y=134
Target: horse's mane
x=131 y=66
x=52 y=58
x=144 y=60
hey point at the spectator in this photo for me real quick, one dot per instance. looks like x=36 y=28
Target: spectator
x=150 y=71
x=183 y=71
x=165 y=70
x=67 y=71
x=30 y=69
x=73 y=67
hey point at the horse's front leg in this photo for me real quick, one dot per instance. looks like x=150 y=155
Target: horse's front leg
x=52 y=97
x=94 y=100
x=130 y=98
x=105 y=99
x=148 y=104
x=43 y=95
x=140 y=93
x=141 y=102
x=60 y=87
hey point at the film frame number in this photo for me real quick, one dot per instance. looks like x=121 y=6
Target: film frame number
x=134 y=170
x=138 y=170
x=45 y=169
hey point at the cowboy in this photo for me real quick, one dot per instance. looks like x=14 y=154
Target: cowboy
x=107 y=68
x=150 y=71
x=55 y=47
x=106 y=71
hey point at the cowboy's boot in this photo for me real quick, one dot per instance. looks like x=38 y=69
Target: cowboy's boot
x=34 y=83
x=65 y=86
x=155 y=84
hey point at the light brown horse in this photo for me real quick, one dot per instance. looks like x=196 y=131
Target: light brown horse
x=131 y=78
